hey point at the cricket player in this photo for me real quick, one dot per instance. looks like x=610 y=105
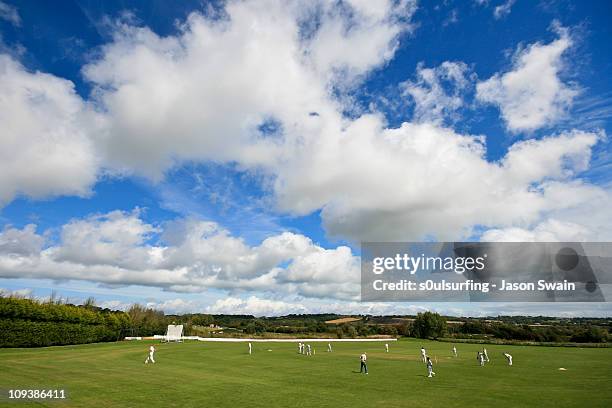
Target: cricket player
x=387 y=347
x=299 y=348
x=454 y=351
x=423 y=355
x=486 y=356
x=309 y=352
x=363 y=360
x=329 y=348
x=250 y=348
x=430 y=371
x=151 y=355
x=509 y=358
x=481 y=358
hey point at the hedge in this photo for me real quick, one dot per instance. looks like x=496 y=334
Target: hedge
x=24 y=333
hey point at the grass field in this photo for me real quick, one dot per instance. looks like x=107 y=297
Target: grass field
x=224 y=375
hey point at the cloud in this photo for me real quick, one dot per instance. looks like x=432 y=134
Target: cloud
x=562 y=156
x=437 y=92
x=203 y=95
x=422 y=180
x=581 y=221
x=532 y=95
x=46 y=133
x=20 y=293
x=549 y=231
x=20 y=242
x=374 y=30
x=218 y=80
x=114 y=239
x=10 y=14
x=185 y=255
x=213 y=103
x=254 y=305
x=503 y=9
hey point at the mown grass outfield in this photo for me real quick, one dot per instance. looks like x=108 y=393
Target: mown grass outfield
x=196 y=374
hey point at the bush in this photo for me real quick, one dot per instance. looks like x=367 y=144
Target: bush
x=28 y=323
x=428 y=325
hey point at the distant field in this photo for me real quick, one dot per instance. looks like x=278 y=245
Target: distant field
x=343 y=320
x=224 y=375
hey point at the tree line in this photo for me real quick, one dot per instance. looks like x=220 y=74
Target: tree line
x=33 y=323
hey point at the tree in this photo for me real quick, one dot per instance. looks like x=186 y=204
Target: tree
x=339 y=332
x=350 y=331
x=429 y=324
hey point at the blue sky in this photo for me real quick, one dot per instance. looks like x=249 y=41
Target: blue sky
x=230 y=156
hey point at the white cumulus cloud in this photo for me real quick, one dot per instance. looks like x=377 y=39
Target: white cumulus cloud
x=532 y=95
x=437 y=92
x=119 y=249
x=46 y=135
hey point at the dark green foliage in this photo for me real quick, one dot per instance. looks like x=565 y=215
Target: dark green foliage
x=576 y=330
x=28 y=323
x=24 y=333
x=590 y=334
x=429 y=325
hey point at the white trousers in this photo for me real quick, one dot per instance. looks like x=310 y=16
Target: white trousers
x=150 y=358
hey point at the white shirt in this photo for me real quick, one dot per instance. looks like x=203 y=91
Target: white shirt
x=151 y=349
x=363 y=358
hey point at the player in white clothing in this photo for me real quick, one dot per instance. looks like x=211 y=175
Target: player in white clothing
x=387 y=347
x=486 y=356
x=250 y=348
x=454 y=351
x=509 y=358
x=363 y=359
x=151 y=356
x=329 y=348
x=423 y=355
x=430 y=371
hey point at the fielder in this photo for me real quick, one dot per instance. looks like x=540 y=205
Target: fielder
x=329 y=348
x=250 y=348
x=481 y=358
x=486 y=356
x=430 y=371
x=299 y=348
x=363 y=360
x=423 y=355
x=509 y=358
x=454 y=351
x=151 y=355
x=387 y=347
x=309 y=352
